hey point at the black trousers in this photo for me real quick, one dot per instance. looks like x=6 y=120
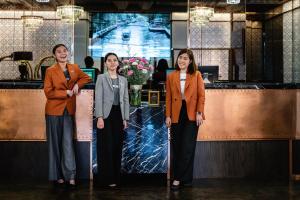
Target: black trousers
x=183 y=142
x=109 y=148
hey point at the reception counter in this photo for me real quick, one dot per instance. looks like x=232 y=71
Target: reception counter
x=251 y=131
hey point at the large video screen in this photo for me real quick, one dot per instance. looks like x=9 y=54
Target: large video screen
x=130 y=35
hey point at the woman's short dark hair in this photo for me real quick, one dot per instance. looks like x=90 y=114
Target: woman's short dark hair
x=89 y=61
x=192 y=68
x=57 y=46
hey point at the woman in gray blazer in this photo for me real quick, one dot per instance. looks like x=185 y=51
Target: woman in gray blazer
x=112 y=112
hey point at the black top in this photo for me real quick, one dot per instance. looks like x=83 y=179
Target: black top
x=67 y=75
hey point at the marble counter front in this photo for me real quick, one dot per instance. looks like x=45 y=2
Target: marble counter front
x=145 y=147
x=146 y=141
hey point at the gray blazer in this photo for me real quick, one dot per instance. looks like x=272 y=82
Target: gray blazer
x=104 y=96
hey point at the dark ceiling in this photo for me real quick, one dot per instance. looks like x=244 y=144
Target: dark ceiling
x=142 y=5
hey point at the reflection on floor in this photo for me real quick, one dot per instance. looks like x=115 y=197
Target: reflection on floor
x=203 y=189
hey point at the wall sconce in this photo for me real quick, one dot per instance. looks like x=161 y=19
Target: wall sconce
x=24 y=57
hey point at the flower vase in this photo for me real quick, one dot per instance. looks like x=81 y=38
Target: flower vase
x=135 y=95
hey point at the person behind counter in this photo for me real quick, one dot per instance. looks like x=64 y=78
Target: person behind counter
x=185 y=97
x=112 y=112
x=61 y=85
x=89 y=64
x=159 y=76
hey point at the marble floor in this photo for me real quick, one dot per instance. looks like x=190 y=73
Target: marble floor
x=207 y=189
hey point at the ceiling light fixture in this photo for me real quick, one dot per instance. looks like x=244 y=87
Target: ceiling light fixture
x=233 y=1
x=201 y=15
x=32 y=22
x=69 y=13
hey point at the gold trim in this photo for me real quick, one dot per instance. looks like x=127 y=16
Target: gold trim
x=150 y=101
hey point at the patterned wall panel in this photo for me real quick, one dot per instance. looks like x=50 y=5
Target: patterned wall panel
x=268 y=50
x=13 y=37
x=8 y=36
x=248 y=51
x=221 y=17
x=296 y=3
x=278 y=48
x=237 y=34
x=237 y=43
x=291 y=41
x=287 y=47
x=296 y=44
x=214 y=57
x=212 y=35
x=254 y=58
x=239 y=55
x=287 y=6
x=257 y=58
x=239 y=17
x=216 y=38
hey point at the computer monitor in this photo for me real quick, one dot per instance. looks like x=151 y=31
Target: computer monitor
x=90 y=72
x=43 y=71
x=211 y=71
x=168 y=71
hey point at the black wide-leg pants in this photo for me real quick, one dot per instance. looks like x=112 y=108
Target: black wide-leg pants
x=109 y=148
x=183 y=143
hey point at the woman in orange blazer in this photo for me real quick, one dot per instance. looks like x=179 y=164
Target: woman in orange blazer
x=61 y=85
x=184 y=114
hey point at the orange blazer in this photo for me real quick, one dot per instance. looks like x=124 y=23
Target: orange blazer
x=56 y=86
x=194 y=93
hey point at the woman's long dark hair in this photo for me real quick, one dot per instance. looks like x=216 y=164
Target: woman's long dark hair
x=113 y=54
x=162 y=65
x=192 y=68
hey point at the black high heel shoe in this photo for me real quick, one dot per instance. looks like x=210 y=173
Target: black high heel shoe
x=72 y=185
x=175 y=187
x=59 y=183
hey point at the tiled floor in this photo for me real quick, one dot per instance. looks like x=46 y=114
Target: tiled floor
x=212 y=189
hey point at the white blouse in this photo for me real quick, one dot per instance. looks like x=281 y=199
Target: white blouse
x=182 y=83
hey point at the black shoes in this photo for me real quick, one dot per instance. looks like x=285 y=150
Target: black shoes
x=175 y=187
x=64 y=185
x=71 y=186
x=180 y=185
x=58 y=185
